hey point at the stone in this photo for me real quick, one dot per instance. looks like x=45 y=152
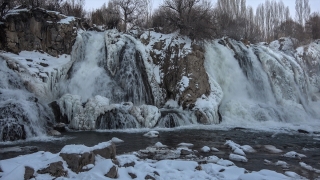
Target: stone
x=12 y=130
x=113 y=172
x=107 y=152
x=54 y=133
x=185 y=152
x=38 y=29
x=201 y=117
x=28 y=172
x=76 y=162
x=129 y=164
x=148 y=177
x=133 y=176
x=61 y=127
x=54 y=169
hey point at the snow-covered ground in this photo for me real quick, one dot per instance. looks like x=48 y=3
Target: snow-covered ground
x=152 y=163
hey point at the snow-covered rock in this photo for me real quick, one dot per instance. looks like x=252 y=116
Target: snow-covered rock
x=293 y=154
x=236 y=157
x=151 y=134
x=116 y=140
x=272 y=149
x=205 y=149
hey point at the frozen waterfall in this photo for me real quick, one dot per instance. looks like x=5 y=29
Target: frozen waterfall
x=107 y=64
x=261 y=84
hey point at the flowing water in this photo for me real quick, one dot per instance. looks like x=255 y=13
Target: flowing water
x=308 y=145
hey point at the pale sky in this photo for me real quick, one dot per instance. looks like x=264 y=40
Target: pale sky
x=314 y=4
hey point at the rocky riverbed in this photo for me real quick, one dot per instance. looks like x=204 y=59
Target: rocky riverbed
x=282 y=151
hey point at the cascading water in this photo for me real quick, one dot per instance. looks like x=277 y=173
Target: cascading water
x=259 y=84
x=107 y=64
x=21 y=114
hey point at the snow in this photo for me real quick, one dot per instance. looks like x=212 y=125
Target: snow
x=151 y=134
x=214 y=149
x=185 y=144
x=272 y=149
x=235 y=147
x=159 y=145
x=293 y=154
x=214 y=168
x=282 y=164
x=41 y=70
x=205 y=149
x=236 y=157
x=116 y=140
x=80 y=149
x=224 y=162
x=67 y=20
x=184 y=83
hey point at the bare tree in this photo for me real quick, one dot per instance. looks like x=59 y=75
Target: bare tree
x=193 y=18
x=302 y=11
x=130 y=11
x=313 y=26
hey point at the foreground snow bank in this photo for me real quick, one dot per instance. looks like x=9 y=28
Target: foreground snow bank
x=45 y=165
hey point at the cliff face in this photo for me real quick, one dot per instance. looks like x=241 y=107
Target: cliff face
x=181 y=67
x=38 y=29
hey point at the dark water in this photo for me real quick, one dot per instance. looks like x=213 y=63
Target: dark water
x=300 y=143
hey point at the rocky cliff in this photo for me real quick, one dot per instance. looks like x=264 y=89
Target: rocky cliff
x=38 y=29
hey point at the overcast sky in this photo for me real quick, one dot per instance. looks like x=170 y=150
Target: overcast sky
x=314 y=4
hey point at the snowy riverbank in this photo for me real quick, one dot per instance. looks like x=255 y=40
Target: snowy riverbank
x=233 y=154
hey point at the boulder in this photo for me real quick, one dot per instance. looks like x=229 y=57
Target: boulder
x=113 y=172
x=107 y=152
x=76 y=162
x=54 y=133
x=12 y=130
x=61 y=127
x=28 y=173
x=54 y=169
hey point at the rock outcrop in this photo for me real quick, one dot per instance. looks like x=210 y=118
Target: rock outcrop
x=38 y=29
x=183 y=76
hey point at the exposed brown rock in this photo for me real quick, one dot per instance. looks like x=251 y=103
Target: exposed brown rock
x=113 y=172
x=76 y=162
x=54 y=169
x=107 y=152
x=133 y=176
x=191 y=66
x=149 y=177
x=38 y=29
x=28 y=173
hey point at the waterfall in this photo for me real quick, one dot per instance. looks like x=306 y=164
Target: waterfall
x=21 y=114
x=259 y=84
x=107 y=64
